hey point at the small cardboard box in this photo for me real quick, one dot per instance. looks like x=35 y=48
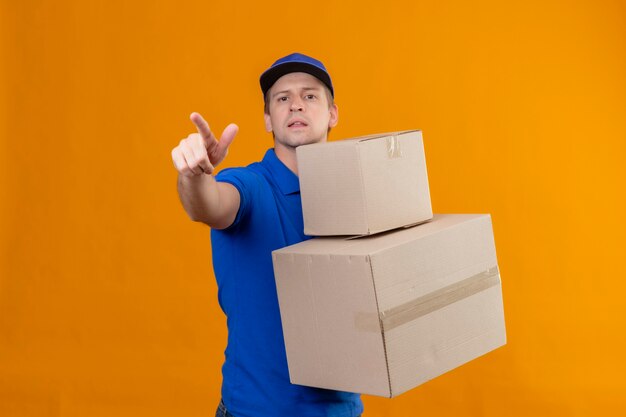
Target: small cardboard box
x=382 y=314
x=364 y=185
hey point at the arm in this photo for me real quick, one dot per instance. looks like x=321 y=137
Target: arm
x=204 y=199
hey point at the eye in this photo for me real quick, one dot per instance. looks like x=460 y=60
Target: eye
x=310 y=97
x=283 y=98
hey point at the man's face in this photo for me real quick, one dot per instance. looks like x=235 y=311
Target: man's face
x=299 y=111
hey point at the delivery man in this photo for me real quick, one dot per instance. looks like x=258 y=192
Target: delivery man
x=253 y=211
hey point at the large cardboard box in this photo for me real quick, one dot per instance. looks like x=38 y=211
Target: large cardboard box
x=364 y=185
x=382 y=314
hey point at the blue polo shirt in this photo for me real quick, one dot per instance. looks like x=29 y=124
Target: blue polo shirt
x=255 y=375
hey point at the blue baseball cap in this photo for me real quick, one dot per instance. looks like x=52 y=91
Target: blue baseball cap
x=295 y=63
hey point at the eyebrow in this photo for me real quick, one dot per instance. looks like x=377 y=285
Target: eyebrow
x=303 y=89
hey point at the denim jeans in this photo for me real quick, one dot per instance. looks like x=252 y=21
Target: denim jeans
x=222 y=412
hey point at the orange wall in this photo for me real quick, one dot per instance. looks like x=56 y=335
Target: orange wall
x=107 y=300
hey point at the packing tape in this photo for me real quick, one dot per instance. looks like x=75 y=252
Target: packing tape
x=393 y=147
x=411 y=310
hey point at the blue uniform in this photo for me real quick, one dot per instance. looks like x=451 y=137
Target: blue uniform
x=255 y=375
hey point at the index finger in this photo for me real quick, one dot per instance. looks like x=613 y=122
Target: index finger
x=201 y=125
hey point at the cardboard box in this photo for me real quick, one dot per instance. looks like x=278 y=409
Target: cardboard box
x=364 y=185
x=382 y=314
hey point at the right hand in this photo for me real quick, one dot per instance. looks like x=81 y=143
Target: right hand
x=199 y=153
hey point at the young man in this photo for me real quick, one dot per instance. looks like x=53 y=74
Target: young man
x=253 y=211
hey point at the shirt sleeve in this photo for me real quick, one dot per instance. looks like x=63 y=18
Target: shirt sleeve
x=245 y=182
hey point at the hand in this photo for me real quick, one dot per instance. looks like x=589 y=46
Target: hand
x=199 y=153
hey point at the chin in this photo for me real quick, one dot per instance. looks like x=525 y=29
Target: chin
x=294 y=142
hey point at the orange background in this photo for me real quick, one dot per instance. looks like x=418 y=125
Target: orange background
x=107 y=299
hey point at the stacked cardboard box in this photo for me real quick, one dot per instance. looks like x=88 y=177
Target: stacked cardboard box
x=364 y=185
x=383 y=313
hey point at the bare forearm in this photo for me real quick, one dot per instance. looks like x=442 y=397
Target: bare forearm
x=208 y=201
x=199 y=196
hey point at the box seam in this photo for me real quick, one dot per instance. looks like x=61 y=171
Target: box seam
x=308 y=260
x=380 y=324
x=363 y=193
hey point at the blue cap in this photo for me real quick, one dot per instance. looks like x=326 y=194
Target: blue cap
x=295 y=63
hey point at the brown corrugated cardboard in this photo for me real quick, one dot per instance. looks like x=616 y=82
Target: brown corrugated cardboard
x=364 y=185
x=382 y=314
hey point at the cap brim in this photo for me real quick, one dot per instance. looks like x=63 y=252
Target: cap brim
x=269 y=77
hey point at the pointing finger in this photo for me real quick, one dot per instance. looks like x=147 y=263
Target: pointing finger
x=202 y=126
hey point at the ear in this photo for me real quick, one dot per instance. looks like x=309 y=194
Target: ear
x=334 y=116
x=268 y=122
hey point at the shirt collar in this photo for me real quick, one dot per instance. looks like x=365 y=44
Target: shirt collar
x=287 y=181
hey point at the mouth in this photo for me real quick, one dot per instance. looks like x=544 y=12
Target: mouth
x=297 y=123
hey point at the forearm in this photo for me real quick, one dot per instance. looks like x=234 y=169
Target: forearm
x=200 y=197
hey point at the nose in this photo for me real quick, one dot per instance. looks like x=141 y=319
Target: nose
x=296 y=105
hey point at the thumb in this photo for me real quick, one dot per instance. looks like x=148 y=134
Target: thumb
x=228 y=135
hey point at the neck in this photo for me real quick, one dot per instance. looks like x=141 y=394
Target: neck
x=287 y=155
